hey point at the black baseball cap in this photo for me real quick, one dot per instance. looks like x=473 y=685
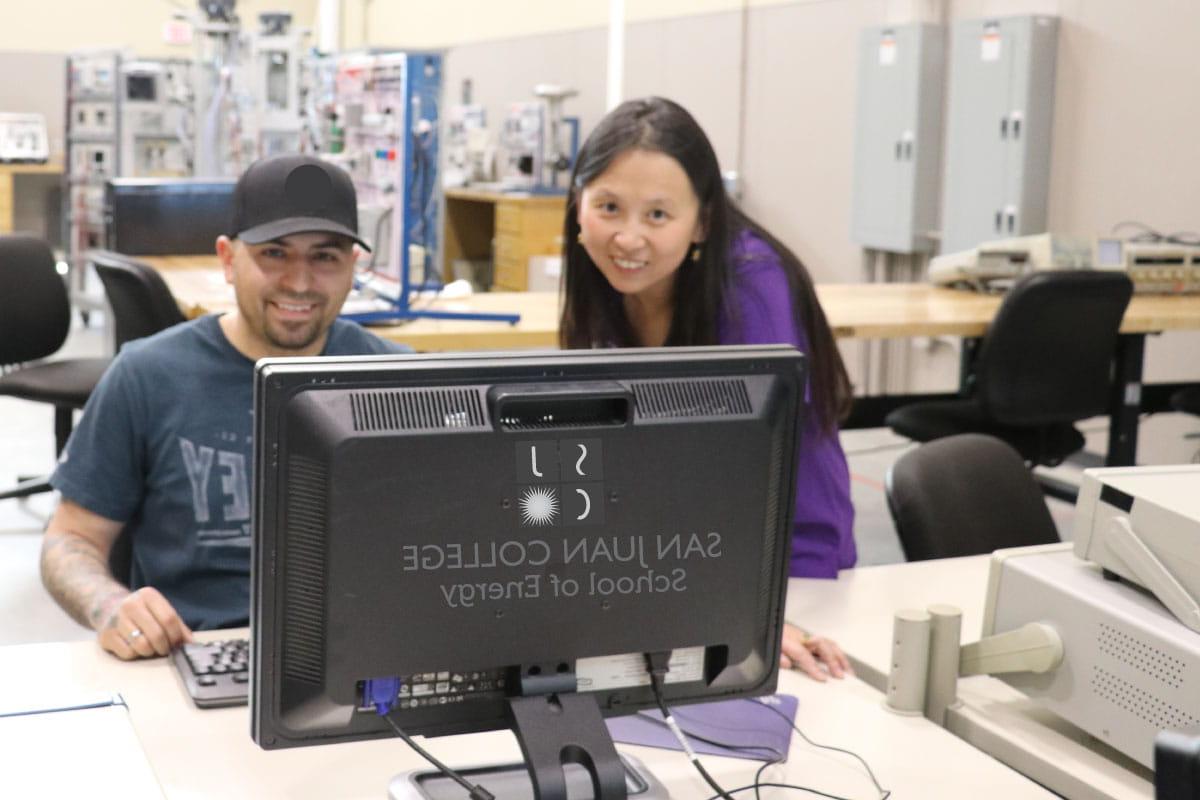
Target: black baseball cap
x=282 y=195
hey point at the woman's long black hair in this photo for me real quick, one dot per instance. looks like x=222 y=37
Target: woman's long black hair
x=594 y=313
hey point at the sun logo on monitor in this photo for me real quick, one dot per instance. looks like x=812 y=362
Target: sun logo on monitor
x=539 y=505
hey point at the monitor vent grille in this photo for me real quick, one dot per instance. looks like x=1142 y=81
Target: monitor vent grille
x=1142 y=656
x=1138 y=702
x=417 y=409
x=691 y=398
x=304 y=581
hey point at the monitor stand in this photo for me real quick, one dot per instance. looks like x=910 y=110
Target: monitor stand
x=511 y=782
x=568 y=754
x=559 y=729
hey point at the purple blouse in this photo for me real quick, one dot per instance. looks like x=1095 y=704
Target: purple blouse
x=823 y=534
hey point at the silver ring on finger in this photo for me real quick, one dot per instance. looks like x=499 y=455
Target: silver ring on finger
x=134 y=635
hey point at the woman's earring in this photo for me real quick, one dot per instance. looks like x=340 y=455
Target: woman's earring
x=579 y=238
x=696 y=252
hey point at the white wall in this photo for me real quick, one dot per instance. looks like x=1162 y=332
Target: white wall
x=566 y=59
x=1126 y=100
x=60 y=26
x=1126 y=104
x=36 y=37
x=41 y=90
x=447 y=23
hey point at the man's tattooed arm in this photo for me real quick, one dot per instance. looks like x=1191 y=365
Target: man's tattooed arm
x=75 y=568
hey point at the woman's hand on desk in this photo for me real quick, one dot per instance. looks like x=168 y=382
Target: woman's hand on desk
x=815 y=656
x=143 y=625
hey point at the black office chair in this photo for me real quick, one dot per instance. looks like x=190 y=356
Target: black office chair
x=1186 y=400
x=142 y=305
x=965 y=495
x=141 y=302
x=35 y=318
x=1045 y=363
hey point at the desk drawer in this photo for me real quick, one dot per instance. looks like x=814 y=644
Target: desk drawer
x=511 y=276
x=509 y=218
x=510 y=263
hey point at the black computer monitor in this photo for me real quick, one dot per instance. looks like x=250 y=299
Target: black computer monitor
x=167 y=216
x=1177 y=764
x=503 y=531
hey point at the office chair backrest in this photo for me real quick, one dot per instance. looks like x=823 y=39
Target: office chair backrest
x=141 y=302
x=1186 y=400
x=1047 y=356
x=35 y=311
x=965 y=495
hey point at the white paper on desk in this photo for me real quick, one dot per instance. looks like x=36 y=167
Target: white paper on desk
x=76 y=747
x=23 y=700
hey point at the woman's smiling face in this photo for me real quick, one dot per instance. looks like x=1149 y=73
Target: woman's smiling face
x=638 y=219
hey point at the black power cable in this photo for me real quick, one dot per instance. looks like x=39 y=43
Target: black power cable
x=884 y=794
x=778 y=757
x=759 y=783
x=474 y=791
x=656 y=666
x=1147 y=234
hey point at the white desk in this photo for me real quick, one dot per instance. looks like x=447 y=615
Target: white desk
x=205 y=754
x=856 y=610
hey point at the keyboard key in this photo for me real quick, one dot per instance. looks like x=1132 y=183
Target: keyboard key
x=215 y=673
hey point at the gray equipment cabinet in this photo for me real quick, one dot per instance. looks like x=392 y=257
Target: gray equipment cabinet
x=93 y=146
x=999 y=125
x=897 y=139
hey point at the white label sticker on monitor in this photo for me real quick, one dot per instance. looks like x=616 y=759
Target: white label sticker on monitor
x=615 y=672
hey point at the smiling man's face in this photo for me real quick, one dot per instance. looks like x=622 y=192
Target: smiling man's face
x=289 y=291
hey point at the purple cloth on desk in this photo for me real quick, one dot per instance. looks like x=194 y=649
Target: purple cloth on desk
x=757 y=732
x=823 y=534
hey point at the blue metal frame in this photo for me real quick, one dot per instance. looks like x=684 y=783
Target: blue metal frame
x=419 y=204
x=403 y=312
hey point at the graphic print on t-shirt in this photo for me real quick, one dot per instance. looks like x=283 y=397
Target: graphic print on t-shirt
x=227 y=521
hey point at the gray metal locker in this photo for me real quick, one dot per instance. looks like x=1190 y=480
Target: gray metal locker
x=897 y=138
x=1000 y=117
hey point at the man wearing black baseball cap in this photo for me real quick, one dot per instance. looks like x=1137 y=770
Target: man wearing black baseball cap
x=290 y=255
x=163 y=451
x=280 y=196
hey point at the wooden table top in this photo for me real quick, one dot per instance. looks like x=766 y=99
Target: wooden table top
x=200 y=288
x=28 y=167
x=492 y=196
x=898 y=310
x=854 y=310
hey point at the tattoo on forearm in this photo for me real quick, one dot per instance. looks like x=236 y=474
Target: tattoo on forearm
x=76 y=575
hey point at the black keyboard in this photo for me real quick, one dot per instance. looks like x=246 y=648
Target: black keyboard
x=215 y=673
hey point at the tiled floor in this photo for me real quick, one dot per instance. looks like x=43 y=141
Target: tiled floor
x=27 y=443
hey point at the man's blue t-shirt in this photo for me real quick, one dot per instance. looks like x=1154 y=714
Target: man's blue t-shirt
x=164 y=445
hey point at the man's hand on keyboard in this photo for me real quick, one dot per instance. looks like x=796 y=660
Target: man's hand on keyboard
x=143 y=625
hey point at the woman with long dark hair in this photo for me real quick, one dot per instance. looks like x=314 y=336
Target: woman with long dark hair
x=656 y=254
